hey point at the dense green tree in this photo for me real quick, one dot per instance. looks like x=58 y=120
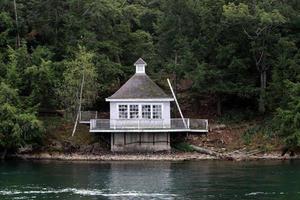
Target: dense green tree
x=6 y=27
x=259 y=21
x=287 y=118
x=42 y=91
x=231 y=53
x=286 y=67
x=32 y=74
x=80 y=72
x=18 y=126
x=197 y=44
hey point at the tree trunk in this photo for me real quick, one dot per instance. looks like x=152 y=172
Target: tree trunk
x=18 y=43
x=78 y=117
x=263 y=86
x=56 y=26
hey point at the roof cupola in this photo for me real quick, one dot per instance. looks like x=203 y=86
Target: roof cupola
x=140 y=65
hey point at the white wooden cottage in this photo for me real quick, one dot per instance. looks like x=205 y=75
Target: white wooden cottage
x=140 y=116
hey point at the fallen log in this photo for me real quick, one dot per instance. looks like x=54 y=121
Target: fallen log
x=212 y=153
x=205 y=151
x=235 y=155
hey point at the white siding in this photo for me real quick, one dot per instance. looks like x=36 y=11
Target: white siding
x=166 y=115
x=113 y=110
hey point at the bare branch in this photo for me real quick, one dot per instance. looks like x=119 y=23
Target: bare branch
x=260 y=30
x=248 y=35
x=258 y=60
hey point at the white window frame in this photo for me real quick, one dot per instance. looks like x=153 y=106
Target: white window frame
x=149 y=113
x=118 y=108
x=161 y=111
x=140 y=110
x=134 y=111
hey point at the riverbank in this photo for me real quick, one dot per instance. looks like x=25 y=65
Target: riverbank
x=180 y=156
x=223 y=142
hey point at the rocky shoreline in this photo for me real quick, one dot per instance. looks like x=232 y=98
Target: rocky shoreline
x=180 y=156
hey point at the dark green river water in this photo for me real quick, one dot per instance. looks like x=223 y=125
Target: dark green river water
x=150 y=180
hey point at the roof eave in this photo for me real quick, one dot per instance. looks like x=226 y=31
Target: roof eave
x=138 y=99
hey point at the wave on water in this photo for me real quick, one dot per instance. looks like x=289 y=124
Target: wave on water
x=264 y=193
x=82 y=192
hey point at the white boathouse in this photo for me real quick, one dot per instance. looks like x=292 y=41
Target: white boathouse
x=140 y=116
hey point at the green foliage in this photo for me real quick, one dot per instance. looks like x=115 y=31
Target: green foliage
x=41 y=84
x=17 y=126
x=286 y=66
x=260 y=14
x=259 y=21
x=288 y=118
x=233 y=53
x=5 y=28
x=32 y=74
x=78 y=69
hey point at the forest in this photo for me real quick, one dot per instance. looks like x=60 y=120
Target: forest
x=234 y=58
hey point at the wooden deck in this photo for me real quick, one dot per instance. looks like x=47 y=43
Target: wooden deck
x=142 y=125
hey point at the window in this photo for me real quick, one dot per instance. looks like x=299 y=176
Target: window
x=156 y=112
x=123 y=111
x=134 y=111
x=146 y=111
x=140 y=69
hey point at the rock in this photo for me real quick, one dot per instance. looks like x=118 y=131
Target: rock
x=25 y=149
x=68 y=147
x=86 y=149
x=56 y=146
x=97 y=148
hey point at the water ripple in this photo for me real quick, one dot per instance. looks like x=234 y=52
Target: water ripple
x=83 y=192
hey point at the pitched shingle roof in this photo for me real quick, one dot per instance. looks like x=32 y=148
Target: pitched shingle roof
x=140 y=61
x=139 y=86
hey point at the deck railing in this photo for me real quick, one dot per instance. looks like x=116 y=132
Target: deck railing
x=86 y=116
x=144 y=124
x=198 y=124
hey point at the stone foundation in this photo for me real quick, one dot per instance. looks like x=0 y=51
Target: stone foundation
x=140 y=142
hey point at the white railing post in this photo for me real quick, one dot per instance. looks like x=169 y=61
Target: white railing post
x=114 y=122
x=188 y=122
x=92 y=126
x=138 y=124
